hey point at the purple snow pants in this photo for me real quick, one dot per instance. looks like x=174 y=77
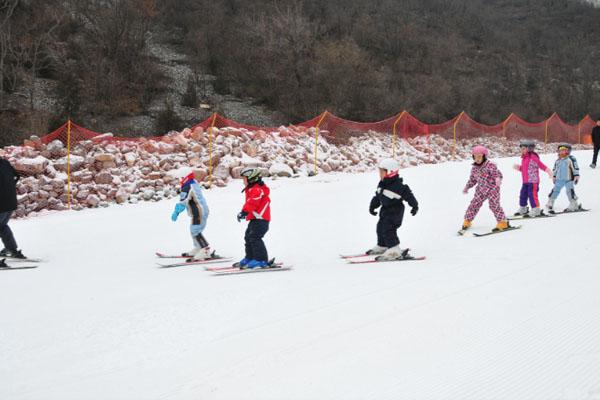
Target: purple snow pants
x=529 y=191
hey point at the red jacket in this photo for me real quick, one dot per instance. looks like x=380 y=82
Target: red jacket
x=258 y=203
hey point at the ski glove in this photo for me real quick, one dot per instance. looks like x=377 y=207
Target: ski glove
x=241 y=215
x=414 y=211
x=372 y=211
x=178 y=210
x=576 y=179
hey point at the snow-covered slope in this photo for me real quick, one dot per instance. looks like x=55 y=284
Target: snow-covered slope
x=511 y=316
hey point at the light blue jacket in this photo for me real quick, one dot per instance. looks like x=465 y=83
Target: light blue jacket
x=565 y=169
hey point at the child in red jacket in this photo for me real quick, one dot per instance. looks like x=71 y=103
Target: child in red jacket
x=256 y=210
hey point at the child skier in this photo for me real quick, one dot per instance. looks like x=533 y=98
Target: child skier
x=390 y=196
x=191 y=198
x=566 y=174
x=488 y=179
x=529 y=167
x=256 y=210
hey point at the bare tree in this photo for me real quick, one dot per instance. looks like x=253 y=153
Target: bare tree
x=7 y=7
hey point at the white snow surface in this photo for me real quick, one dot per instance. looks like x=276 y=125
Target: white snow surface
x=510 y=316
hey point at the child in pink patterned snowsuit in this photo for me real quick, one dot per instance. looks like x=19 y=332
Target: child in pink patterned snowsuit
x=488 y=178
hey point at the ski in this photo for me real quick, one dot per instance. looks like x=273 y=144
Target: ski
x=211 y=268
x=8 y=268
x=5 y=266
x=222 y=268
x=569 y=212
x=510 y=228
x=163 y=255
x=13 y=259
x=235 y=270
x=345 y=256
x=198 y=262
x=409 y=258
x=519 y=217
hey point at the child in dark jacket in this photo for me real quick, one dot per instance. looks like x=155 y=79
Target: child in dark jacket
x=390 y=196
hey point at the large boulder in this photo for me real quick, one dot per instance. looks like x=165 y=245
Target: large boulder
x=104 y=178
x=56 y=148
x=31 y=166
x=77 y=162
x=104 y=157
x=281 y=169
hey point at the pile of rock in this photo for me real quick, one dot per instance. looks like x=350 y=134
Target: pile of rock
x=106 y=170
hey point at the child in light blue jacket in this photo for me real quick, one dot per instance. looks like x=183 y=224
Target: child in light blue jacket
x=191 y=198
x=565 y=174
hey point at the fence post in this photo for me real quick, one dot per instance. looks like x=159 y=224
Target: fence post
x=394 y=133
x=210 y=158
x=546 y=129
x=504 y=125
x=454 y=133
x=317 y=140
x=69 y=163
x=579 y=129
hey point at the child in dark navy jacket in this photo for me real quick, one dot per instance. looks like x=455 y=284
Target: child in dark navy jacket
x=390 y=196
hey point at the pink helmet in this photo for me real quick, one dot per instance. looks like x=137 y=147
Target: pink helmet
x=480 y=150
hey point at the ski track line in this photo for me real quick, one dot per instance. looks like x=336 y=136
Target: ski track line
x=380 y=319
x=312 y=311
x=490 y=360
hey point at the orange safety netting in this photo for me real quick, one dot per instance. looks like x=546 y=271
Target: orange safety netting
x=402 y=125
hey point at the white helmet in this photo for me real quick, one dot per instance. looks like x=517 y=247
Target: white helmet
x=389 y=164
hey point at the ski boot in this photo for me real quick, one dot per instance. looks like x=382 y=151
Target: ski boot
x=390 y=254
x=592 y=165
x=535 y=212
x=501 y=225
x=550 y=206
x=394 y=253
x=466 y=225
x=252 y=264
x=376 y=250
x=190 y=253
x=203 y=254
x=522 y=211
x=573 y=206
x=14 y=254
x=241 y=264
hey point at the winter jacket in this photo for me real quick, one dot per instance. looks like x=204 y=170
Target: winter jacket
x=191 y=196
x=390 y=195
x=258 y=203
x=596 y=136
x=486 y=176
x=530 y=167
x=566 y=169
x=8 y=186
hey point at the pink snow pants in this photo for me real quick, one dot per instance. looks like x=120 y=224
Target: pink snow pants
x=493 y=198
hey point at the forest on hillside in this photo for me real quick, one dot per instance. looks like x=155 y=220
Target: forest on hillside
x=360 y=60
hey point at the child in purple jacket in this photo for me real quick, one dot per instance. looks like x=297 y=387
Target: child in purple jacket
x=530 y=167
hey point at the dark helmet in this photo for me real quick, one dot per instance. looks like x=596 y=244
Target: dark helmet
x=528 y=144
x=252 y=174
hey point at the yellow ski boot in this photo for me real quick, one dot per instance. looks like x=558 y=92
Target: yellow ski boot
x=501 y=225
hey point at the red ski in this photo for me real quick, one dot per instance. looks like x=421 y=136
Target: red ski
x=409 y=258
